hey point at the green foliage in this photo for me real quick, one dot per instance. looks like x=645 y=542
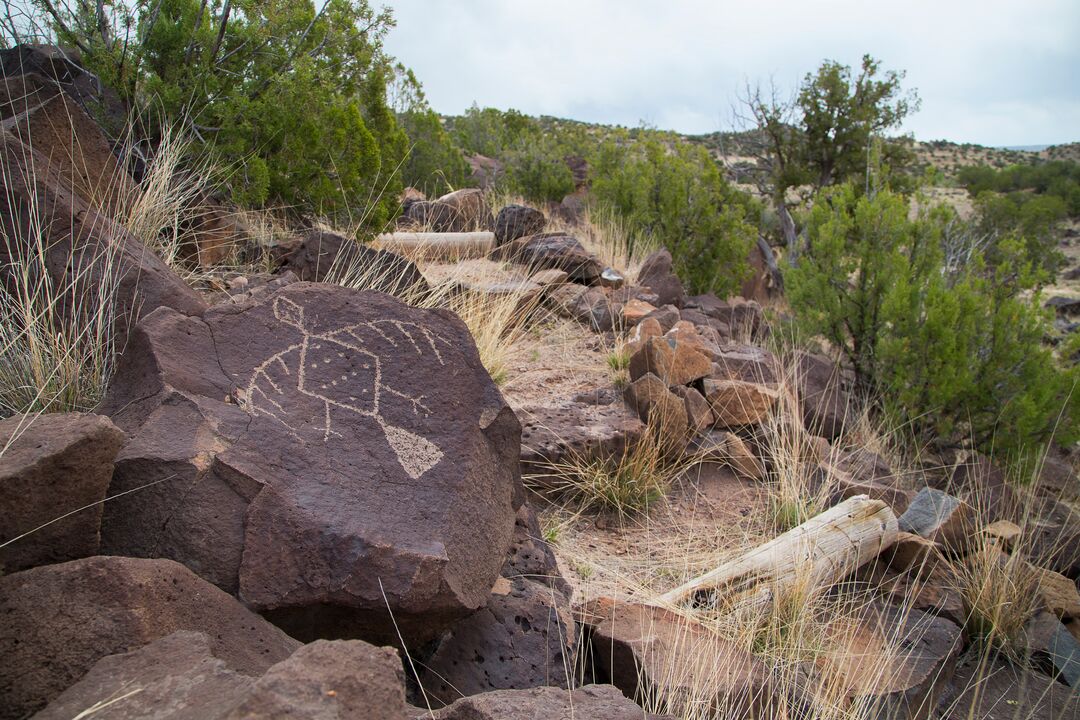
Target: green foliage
x=1023 y=183
x=954 y=350
x=291 y=96
x=842 y=114
x=673 y=192
x=537 y=170
x=1032 y=220
x=435 y=164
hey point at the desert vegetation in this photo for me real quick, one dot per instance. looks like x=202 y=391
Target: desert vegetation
x=313 y=400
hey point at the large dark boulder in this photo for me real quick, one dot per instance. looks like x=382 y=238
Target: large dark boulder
x=53 y=466
x=332 y=456
x=59 y=620
x=656 y=274
x=458 y=211
x=317 y=256
x=516 y=221
x=93 y=258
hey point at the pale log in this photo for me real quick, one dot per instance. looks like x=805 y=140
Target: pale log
x=821 y=551
x=438 y=246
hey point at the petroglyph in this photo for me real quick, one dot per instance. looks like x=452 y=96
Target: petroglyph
x=298 y=386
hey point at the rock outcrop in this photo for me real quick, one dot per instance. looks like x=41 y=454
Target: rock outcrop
x=53 y=466
x=59 y=620
x=326 y=454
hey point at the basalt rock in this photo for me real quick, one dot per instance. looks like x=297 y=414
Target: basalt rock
x=61 y=619
x=52 y=466
x=322 y=452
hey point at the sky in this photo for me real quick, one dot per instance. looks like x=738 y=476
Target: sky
x=991 y=72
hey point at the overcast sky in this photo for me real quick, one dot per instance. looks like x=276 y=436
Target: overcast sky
x=994 y=72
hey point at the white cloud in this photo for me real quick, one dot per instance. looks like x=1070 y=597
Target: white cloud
x=994 y=72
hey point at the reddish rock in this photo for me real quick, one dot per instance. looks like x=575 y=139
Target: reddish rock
x=666 y=316
x=52 y=466
x=656 y=274
x=216 y=234
x=744 y=462
x=638 y=646
x=322 y=452
x=736 y=403
x=575 y=431
x=673 y=362
x=45 y=118
x=61 y=619
x=1059 y=594
x=553 y=250
x=656 y=404
x=595 y=702
x=524 y=638
x=698 y=414
x=906 y=682
x=910 y=552
x=634 y=311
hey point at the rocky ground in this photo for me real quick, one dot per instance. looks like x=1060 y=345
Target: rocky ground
x=506 y=473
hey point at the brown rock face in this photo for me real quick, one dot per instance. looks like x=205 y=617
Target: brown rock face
x=61 y=619
x=39 y=114
x=908 y=682
x=524 y=638
x=322 y=452
x=530 y=556
x=698 y=413
x=657 y=405
x=676 y=363
x=657 y=275
x=637 y=645
x=181 y=676
x=515 y=221
x=177 y=676
x=53 y=465
x=317 y=256
x=596 y=702
x=746 y=363
x=999 y=690
x=459 y=211
x=736 y=403
x=327 y=680
x=82 y=247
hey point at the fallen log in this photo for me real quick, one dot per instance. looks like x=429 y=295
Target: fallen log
x=821 y=551
x=438 y=246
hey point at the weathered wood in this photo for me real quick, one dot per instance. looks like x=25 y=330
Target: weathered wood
x=438 y=246
x=822 y=550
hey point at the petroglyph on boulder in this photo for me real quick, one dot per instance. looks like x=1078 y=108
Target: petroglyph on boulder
x=321 y=452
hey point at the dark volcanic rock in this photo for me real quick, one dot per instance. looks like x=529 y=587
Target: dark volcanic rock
x=524 y=638
x=318 y=256
x=322 y=452
x=328 y=680
x=459 y=211
x=595 y=702
x=530 y=556
x=50 y=466
x=553 y=251
x=824 y=403
x=58 y=620
x=181 y=676
x=516 y=221
x=657 y=275
x=177 y=676
x=998 y=690
x=84 y=248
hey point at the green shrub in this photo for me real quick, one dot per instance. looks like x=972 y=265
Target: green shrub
x=674 y=193
x=435 y=165
x=952 y=349
x=290 y=96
